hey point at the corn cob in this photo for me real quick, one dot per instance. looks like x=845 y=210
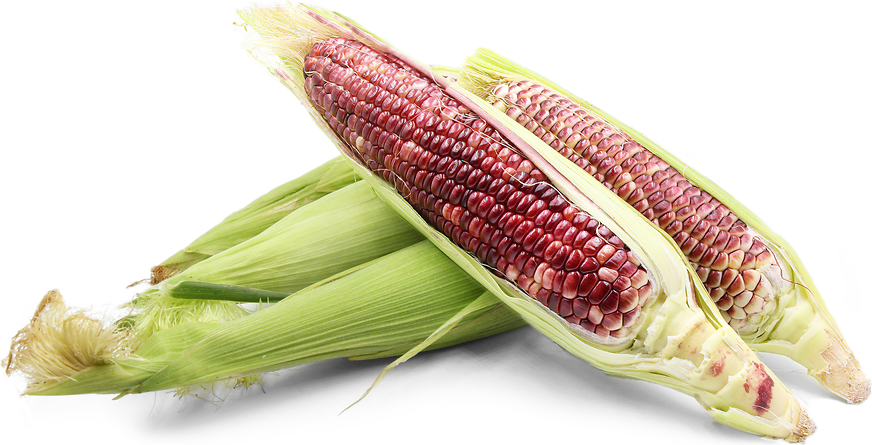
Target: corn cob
x=738 y=270
x=441 y=151
x=753 y=277
x=504 y=212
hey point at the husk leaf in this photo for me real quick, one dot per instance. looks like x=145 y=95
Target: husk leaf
x=339 y=231
x=258 y=215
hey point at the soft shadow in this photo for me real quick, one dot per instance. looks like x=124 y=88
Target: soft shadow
x=524 y=354
x=280 y=389
x=551 y=368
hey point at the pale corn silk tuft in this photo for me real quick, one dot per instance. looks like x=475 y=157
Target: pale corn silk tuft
x=58 y=343
x=460 y=175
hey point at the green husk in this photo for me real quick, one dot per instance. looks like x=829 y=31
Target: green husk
x=385 y=306
x=801 y=327
x=67 y=352
x=258 y=216
x=681 y=340
x=337 y=232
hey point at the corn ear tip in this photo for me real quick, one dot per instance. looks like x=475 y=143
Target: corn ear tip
x=862 y=393
x=848 y=382
x=843 y=375
x=804 y=427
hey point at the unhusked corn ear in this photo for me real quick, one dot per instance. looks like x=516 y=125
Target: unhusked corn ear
x=354 y=314
x=335 y=233
x=737 y=268
x=753 y=276
x=460 y=175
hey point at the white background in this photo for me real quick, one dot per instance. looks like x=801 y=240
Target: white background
x=128 y=129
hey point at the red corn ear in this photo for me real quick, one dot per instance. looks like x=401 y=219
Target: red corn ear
x=460 y=175
x=358 y=89
x=753 y=276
